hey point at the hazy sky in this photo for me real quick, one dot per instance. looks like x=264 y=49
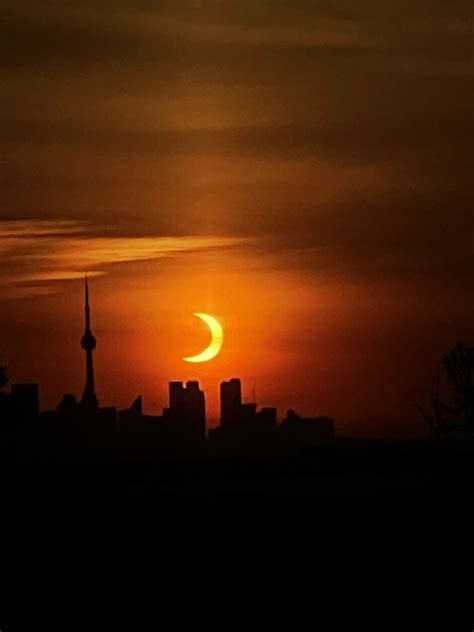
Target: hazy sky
x=300 y=169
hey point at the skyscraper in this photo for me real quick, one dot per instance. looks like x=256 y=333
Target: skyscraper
x=231 y=402
x=88 y=343
x=188 y=410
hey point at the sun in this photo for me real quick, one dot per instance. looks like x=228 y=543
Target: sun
x=216 y=341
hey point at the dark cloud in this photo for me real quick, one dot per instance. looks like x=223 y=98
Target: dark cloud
x=340 y=129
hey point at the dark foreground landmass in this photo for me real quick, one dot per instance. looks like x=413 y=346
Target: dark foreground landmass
x=357 y=514
x=383 y=470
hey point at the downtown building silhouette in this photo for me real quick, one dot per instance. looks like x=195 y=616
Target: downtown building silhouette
x=84 y=430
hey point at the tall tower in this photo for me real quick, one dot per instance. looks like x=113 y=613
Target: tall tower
x=88 y=343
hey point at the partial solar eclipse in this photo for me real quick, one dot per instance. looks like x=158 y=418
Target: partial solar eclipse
x=216 y=342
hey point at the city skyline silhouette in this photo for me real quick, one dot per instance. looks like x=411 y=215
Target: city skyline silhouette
x=81 y=428
x=88 y=343
x=85 y=430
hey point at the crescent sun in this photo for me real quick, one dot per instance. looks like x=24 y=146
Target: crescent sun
x=216 y=342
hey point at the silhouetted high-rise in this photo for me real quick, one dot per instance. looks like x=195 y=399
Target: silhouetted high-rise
x=188 y=409
x=231 y=401
x=88 y=343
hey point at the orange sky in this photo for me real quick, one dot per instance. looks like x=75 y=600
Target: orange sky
x=301 y=172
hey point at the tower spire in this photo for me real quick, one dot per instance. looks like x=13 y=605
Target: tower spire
x=87 y=308
x=88 y=343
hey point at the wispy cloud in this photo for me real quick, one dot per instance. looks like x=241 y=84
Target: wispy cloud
x=38 y=251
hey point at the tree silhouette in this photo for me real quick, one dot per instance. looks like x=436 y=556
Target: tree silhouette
x=459 y=368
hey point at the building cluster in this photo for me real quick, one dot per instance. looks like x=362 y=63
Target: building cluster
x=85 y=428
